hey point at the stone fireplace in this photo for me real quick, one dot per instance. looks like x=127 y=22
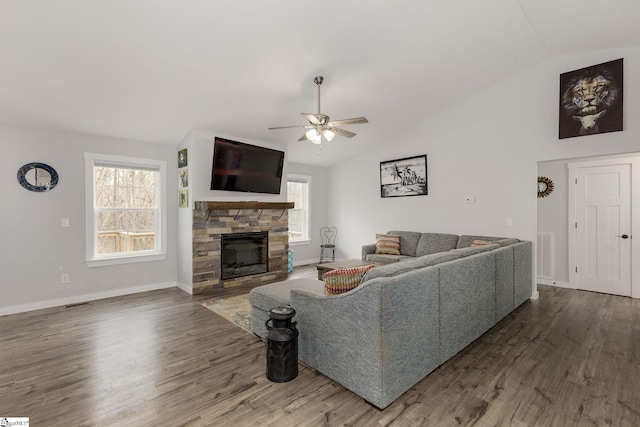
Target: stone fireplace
x=214 y=222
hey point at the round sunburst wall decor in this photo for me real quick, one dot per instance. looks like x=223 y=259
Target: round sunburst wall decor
x=545 y=186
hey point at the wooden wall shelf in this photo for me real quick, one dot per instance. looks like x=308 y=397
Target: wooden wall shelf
x=212 y=206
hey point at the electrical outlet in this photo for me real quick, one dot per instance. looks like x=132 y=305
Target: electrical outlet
x=509 y=221
x=64 y=222
x=64 y=279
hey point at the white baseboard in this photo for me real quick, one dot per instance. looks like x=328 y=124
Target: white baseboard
x=557 y=283
x=305 y=262
x=83 y=298
x=186 y=288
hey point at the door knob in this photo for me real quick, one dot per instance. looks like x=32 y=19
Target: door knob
x=624 y=236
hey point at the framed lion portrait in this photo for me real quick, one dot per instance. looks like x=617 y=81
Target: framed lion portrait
x=591 y=100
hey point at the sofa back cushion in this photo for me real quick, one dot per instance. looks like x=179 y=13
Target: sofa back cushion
x=394 y=269
x=439 y=258
x=507 y=241
x=472 y=250
x=465 y=241
x=408 y=241
x=431 y=243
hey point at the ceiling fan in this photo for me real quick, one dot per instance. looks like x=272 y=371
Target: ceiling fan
x=319 y=125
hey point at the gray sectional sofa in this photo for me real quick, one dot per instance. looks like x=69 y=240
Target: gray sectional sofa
x=406 y=318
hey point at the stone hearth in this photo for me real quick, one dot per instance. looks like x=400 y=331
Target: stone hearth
x=213 y=219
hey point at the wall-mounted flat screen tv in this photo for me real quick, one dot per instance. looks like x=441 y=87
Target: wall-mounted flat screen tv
x=243 y=167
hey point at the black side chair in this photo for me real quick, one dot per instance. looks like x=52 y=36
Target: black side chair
x=328 y=236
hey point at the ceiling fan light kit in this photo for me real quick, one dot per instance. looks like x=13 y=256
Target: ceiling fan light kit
x=319 y=125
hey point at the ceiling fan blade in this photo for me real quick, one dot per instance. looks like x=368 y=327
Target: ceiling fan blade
x=312 y=118
x=290 y=127
x=341 y=132
x=287 y=127
x=303 y=137
x=345 y=122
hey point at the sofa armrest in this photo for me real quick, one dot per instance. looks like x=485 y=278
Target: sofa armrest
x=368 y=249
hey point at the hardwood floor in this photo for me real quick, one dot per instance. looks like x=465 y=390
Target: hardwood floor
x=160 y=358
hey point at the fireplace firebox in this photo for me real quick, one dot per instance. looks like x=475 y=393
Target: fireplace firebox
x=244 y=254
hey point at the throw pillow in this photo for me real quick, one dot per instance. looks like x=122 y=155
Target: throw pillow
x=480 y=243
x=387 y=244
x=343 y=279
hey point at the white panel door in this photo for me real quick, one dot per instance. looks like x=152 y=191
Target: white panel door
x=603 y=229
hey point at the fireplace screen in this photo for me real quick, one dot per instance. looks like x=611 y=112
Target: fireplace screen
x=244 y=254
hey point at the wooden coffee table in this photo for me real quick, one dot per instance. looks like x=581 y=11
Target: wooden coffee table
x=347 y=263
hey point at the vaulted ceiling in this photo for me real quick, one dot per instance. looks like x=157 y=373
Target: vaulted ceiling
x=152 y=70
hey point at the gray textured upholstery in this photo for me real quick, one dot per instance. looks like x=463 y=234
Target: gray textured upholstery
x=439 y=258
x=264 y=298
x=408 y=241
x=467 y=301
x=412 y=244
x=368 y=250
x=385 y=258
x=393 y=269
x=365 y=339
x=406 y=318
x=465 y=241
x=507 y=241
x=504 y=282
x=472 y=250
x=431 y=243
x=523 y=272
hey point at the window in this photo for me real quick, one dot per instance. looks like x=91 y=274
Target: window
x=298 y=192
x=125 y=209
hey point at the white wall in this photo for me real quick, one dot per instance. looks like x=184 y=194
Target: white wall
x=487 y=147
x=309 y=252
x=35 y=250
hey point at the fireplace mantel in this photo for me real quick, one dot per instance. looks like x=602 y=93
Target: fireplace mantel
x=213 y=206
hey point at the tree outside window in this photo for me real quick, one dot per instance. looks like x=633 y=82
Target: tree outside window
x=125 y=207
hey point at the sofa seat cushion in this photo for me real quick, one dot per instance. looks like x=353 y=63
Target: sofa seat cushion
x=279 y=293
x=264 y=298
x=465 y=241
x=386 y=259
x=431 y=243
x=387 y=244
x=343 y=280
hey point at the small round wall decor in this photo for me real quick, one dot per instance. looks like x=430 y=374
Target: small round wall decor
x=38 y=177
x=545 y=186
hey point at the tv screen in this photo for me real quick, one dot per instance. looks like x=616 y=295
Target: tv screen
x=243 y=167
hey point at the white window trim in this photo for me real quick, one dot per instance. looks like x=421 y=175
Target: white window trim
x=90 y=159
x=306 y=179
